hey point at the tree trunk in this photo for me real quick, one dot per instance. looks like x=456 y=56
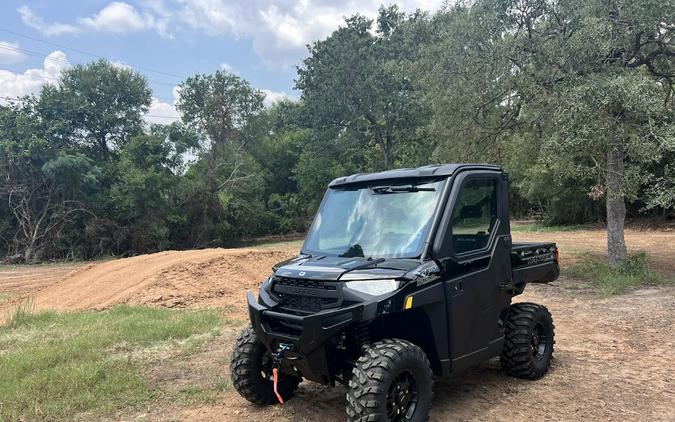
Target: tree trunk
x=616 y=207
x=28 y=254
x=388 y=149
x=387 y=157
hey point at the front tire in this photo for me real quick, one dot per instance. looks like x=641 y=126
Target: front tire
x=528 y=341
x=391 y=382
x=251 y=372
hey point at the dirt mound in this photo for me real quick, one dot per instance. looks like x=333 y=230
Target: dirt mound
x=201 y=278
x=219 y=281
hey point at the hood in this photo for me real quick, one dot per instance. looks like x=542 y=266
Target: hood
x=333 y=268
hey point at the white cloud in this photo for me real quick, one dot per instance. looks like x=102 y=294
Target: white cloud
x=52 y=29
x=272 y=97
x=120 y=65
x=115 y=18
x=121 y=18
x=281 y=29
x=10 y=53
x=30 y=81
x=163 y=112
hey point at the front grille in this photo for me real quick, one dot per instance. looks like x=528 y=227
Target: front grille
x=304 y=295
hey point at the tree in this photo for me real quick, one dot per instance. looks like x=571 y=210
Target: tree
x=583 y=88
x=97 y=107
x=40 y=185
x=221 y=107
x=141 y=198
x=604 y=72
x=225 y=181
x=355 y=84
x=467 y=80
x=281 y=139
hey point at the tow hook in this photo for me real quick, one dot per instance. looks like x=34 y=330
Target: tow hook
x=276 y=362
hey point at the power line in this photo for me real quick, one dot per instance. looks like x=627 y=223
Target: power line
x=66 y=62
x=45 y=77
x=34 y=54
x=86 y=53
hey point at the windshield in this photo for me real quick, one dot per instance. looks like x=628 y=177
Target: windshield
x=383 y=220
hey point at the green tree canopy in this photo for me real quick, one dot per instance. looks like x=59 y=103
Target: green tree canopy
x=97 y=106
x=355 y=87
x=581 y=90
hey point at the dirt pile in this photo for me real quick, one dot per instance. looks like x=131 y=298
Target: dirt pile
x=219 y=281
x=183 y=279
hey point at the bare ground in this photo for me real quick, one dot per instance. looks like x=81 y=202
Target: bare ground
x=613 y=361
x=181 y=279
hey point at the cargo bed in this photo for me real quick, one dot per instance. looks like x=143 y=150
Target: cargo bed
x=534 y=262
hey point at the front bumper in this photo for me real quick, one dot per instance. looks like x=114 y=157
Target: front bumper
x=308 y=335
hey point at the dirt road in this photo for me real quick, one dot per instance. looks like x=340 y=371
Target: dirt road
x=613 y=361
x=614 y=357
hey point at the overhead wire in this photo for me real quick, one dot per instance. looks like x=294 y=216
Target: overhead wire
x=46 y=77
x=86 y=53
x=67 y=62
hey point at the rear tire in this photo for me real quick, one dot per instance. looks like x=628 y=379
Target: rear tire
x=391 y=381
x=251 y=372
x=528 y=341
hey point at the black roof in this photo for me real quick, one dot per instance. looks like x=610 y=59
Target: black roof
x=437 y=170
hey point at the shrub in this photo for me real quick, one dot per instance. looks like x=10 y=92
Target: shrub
x=633 y=272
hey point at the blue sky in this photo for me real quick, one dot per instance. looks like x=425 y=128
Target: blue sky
x=168 y=40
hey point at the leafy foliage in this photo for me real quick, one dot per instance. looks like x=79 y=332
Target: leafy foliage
x=356 y=85
x=574 y=98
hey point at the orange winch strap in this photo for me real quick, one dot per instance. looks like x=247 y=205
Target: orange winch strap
x=275 y=372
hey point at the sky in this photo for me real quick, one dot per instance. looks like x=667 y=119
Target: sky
x=168 y=40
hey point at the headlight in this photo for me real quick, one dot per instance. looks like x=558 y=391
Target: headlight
x=373 y=287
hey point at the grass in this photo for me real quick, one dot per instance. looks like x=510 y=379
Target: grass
x=634 y=272
x=541 y=228
x=5 y=296
x=82 y=365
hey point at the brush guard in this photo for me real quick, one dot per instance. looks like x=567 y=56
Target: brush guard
x=305 y=345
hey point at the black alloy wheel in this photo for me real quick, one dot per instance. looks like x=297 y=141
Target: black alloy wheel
x=402 y=397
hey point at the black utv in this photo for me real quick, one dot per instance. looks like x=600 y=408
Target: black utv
x=404 y=276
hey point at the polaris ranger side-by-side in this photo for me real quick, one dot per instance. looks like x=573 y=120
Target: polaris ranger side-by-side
x=404 y=275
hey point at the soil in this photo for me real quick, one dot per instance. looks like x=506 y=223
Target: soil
x=18 y=282
x=175 y=279
x=614 y=356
